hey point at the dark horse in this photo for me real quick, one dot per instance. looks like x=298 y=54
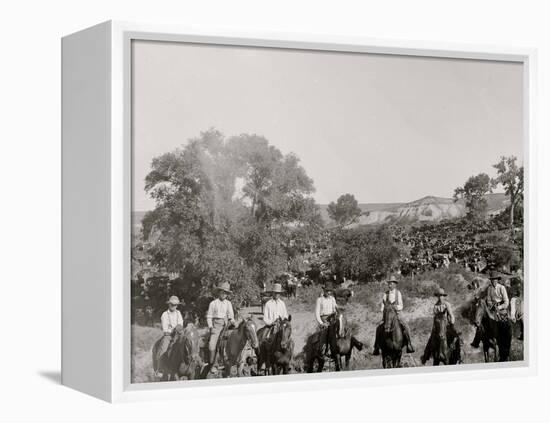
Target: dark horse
x=444 y=343
x=341 y=343
x=231 y=345
x=496 y=332
x=391 y=340
x=276 y=347
x=182 y=359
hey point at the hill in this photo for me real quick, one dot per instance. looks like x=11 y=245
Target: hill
x=426 y=209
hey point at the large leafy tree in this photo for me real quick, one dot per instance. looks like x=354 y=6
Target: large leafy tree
x=225 y=209
x=363 y=253
x=510 y=176
x=473 y=192
x=345 y=211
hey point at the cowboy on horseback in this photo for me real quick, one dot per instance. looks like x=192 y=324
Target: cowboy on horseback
x=393 y=298
x=275 y=308
x=220 y=313
x=440 y=307
x=497 y=301
x=170 y=319
x=325 y=308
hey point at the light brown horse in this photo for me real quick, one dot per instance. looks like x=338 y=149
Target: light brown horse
x=231 y=345
x=182 y=359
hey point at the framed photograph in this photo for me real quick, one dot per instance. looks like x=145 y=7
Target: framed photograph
x=264 y=212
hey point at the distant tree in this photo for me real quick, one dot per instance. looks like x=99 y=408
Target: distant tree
x=363 y=253
x=473 y=192
x=345 y=211
x=510 y=176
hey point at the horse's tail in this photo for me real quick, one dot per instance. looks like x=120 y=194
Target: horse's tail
x=155 y=356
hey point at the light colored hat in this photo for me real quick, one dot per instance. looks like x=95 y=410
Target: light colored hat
x=440 y=293
x=494 y=275
x=277 y=288
x=393 y=279
x=173 y=300
x=224 y=287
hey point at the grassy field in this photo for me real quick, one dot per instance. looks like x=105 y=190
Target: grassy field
x=363 y=313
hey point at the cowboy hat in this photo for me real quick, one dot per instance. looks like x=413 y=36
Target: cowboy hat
x=494 y=275
x=173 y=300
x=440 y=293
x=393 y=279
x=277 y=288
x=224 y=287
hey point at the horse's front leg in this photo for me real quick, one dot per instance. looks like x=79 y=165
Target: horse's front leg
x=337 y=362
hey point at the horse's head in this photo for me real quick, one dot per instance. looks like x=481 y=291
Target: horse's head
x=284 y=333
x=189 y=341
x=249 y=329
x=481 y=309
x=390 y=315
x=340 y=323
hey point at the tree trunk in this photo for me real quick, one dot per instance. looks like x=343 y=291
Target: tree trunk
x=512 y=218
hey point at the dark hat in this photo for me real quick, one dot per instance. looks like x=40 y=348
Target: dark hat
x=328 y=286
x=393 y=279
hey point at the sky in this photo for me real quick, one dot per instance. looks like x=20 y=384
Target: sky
x=384 y=128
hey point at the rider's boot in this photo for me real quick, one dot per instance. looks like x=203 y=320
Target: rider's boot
x=212 y=356
x=477 y=339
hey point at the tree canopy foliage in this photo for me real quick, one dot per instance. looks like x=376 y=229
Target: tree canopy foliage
x=225 y=208
x=345 y=211
x=363 y=253
x=473 y=192
x=510 y=176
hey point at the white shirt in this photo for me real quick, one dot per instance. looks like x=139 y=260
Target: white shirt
x=324 y=306
x=170 y=319
x=498 y=295
x=274 y=309
x=393 y=297
x=219 y=309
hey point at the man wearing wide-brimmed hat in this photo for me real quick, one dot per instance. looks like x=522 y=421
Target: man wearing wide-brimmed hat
x=440 y=306
x=497 y=301
x=169 y=320
x=275 y=308
x=325 y=306
x=394 y=298
x=220 y=313
x=497 y=297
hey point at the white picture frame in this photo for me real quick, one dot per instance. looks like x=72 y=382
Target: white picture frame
x=96 y=227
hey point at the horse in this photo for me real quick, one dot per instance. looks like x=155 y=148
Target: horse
x=341 y=343
x=495 y=334
x=391 y=340
x=231 y=345
x=276 y=347
x=439 y=346
x=182 y=359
